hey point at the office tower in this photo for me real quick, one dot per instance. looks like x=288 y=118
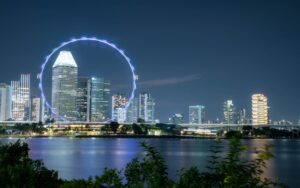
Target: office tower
x=37 y=109
x=229 y=112
x=82 y=99
x=99 y=92
x=196 y=114
x=21 y=98
x=119 y=108
x=260 y=109
x=176 y=119
x=64 y=87
x=5 y=102
x=241 y=117
x=146 y=107
x=132 y=111
x=92 y=100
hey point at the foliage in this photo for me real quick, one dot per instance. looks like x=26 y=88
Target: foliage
x=18 y=170
x=228 y=170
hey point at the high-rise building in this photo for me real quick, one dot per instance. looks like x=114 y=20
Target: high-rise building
x=21 y=98
x=132 y=111
x=99 y=94
x=119 y=108
x=241 y=116
x=82 y=99
x=5 y=102
x=196 y=114
x=229 y=112
x=37 y=109
x=64 y=87
x=92 y=100
x=146 y=107
x=260 y=115
x=176 y=119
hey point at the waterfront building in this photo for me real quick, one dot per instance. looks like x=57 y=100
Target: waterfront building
x=99 y=94
x=241 y=117
x=119 y=108
x=196 y=114
x=229 y=112
x=5 y=102
x=82 y=99
x=64 y=87
x=176 y=119
x=146 y=107
x=37 y=109
x=92 y=100
x=132 y=111
x=260 y=114
x=21 y=98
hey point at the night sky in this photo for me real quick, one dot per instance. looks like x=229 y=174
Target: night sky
x=185 y=52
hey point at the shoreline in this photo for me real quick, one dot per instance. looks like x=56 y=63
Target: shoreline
x=135 y=136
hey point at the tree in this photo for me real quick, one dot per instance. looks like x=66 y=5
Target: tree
x=18 y=170
x=114 y=127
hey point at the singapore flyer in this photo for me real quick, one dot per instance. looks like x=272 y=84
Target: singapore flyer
x=81 y=40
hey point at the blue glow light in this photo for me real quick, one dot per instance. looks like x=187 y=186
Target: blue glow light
x=82 y=39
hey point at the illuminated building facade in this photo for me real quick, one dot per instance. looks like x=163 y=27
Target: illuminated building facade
x=132 y=111
x=64 y=87
x=260 y=114
x=176 y=119
x=196 y=114
x=119 y=108
x=21 y=98
x=37 y=109
x=92 y=100
x=99 y=94
x=146 y=107
x=5 y=102
x=82 y=99
x=229 y=112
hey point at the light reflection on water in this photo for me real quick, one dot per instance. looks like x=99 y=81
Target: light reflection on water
x=80 y=158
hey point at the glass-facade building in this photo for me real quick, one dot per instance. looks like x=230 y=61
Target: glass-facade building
x=92 y=100
x=196 y=114
x=132 y=111
x=21 y=98
x=99 y=94
x=146 y=107
x=37 y=109
x=229 y=112
x=64 y=87
x=82 y=99
x=5 y=102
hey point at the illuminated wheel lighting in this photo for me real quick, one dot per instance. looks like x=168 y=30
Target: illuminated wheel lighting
x=82 y=39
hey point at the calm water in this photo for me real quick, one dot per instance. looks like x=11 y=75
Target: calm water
x=83 y=157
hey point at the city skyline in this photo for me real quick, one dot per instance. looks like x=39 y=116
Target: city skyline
x=221 y=55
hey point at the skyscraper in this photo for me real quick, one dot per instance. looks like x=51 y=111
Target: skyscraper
x=260 y=115
x=132 y=111
x=5 y=102
x=37 y=109
x=92 y=100
x=82 y=99
x=119 y=108
x=229 y=112
x=146 y=107
x=99 y=92
x=64 y=87
x=196 y=114
x=241 y=116
x=21 y=98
